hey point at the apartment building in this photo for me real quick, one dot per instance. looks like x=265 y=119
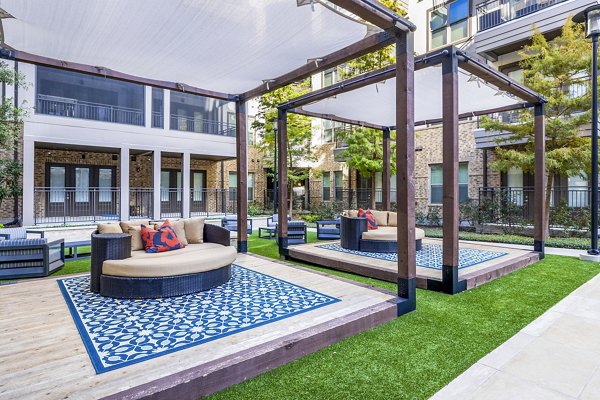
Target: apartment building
x=95 y=148
x=495 y=30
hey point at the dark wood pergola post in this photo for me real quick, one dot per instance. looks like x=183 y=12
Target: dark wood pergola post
x=282 y=186
x=450 y=283
x=405 y=168
x=241 y=138
x=385 y=173
x=539 y=213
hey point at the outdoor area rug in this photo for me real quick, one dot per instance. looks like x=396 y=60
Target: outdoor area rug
x=430 y=255
x=117 y=332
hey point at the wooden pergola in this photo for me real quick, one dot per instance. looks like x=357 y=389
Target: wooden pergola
x=394 y=29
x=450 y=59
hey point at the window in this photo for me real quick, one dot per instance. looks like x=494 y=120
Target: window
x=75 y=95
x=193 y=113
x=251 y=132
x=157 y=107
x=232 y=185
x=328 y=127
x=250 y=186
x=449 y=23
x=578 y=191
x=330 y=77
x=326 y=186
x=436 y=182
x=514 y=181
x=338 y=178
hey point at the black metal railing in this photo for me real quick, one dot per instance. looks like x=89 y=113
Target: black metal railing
x=75 y=205
x=141 y=203
x=73 y=108
x=206 y=202
x=497 y=12
x=199 y=125
x=502 y=202
x=157 y=119
x=171 y=205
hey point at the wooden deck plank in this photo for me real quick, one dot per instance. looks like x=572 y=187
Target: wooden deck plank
x=43 y=356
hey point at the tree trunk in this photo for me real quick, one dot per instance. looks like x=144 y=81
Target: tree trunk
x=548 y=197
x=373 y=191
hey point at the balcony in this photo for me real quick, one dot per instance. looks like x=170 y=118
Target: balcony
x=503 y=26
x=496 y=12
x=73 y=108
x=199 y=125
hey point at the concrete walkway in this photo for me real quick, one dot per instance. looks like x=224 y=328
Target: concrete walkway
x=557 y=356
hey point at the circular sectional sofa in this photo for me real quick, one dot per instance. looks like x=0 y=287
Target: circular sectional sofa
x=122 y=269
x=354 y=234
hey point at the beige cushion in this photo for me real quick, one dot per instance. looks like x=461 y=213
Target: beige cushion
x=136 y=238
x=178 y=227
x=125 y=225
x=194 y=230
x=389 y=233
x=109 y=228
x=392 y=218
x=191 y=259
x=381 y=217
x=353 y=213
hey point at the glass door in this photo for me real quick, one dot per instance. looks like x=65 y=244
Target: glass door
x=56 y=195
x=170 y=191
x=198 y=194
x=106 y=197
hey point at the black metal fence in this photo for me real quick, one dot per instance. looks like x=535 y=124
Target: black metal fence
x=206 y=202
x=141 y=203
x=73 y=108
x=74 y=205
x=497 y=12
x=199 y=125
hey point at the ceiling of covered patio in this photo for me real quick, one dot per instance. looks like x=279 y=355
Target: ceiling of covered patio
x=376 y=103
x=229 y=46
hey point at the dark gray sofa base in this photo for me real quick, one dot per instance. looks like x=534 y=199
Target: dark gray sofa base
x=169 y=286
x=351 y=238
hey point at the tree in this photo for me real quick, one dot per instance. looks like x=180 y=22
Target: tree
x=364 y=152
x=11 y=124
x=299 y=132
x=378 y=59
x=555 y=69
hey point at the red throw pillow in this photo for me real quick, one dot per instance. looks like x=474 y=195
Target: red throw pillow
x=163 y=239
x=371 y=224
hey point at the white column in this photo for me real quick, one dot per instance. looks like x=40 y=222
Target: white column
x=148 y=106
x=167 y=109
x=28 y=182
x=185 y=176
x=156 y=183
x=124 y=183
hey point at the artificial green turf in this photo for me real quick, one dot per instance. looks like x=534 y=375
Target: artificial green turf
x=415 y=355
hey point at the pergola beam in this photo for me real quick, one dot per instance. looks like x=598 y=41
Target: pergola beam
x=405 y=172
x=386 y=171
x=241 y=139
x=335 y=118
x=503 y=82
x=282 y=184
x=109 y=73
x=374 y=12
x=540 y=178
x=367 y=45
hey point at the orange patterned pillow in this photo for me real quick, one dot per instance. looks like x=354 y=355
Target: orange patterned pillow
x=371 y=223
x=163 y=239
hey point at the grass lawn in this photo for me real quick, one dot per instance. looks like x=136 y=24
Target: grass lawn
x=565 y=242
x=413 y=356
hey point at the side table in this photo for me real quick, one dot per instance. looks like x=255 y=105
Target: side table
x=107 y=246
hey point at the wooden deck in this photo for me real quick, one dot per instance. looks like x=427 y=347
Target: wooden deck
x=43 y=357
x=387 y=270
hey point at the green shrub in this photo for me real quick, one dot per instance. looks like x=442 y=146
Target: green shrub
x=254 y=209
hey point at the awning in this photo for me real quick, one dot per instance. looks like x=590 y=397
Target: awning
x=376 y=103
x=228 y=46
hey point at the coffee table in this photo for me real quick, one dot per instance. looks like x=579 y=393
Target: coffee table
x=271 y=231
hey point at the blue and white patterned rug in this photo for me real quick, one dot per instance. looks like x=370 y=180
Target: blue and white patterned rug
x=430 y=255
x=117 y=333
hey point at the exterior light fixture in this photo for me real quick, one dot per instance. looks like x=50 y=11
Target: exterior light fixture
x=591 y=17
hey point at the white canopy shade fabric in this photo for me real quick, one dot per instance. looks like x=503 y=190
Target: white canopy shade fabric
x=228 y=46
x=376 y=103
